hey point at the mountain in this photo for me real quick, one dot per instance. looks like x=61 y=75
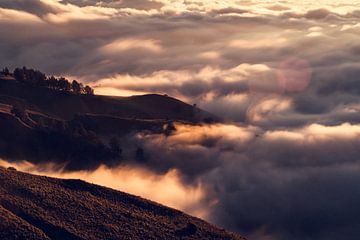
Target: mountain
x=81 y=131
x=36 y=207
x=65 y=105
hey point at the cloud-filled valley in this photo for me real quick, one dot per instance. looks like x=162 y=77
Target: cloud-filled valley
x=283 y=75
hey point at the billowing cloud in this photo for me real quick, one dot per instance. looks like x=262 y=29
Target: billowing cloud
x=284 y=73
x=31 y=6
x=260 y=179
x=292 y=183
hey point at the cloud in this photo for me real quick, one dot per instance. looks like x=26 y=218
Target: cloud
x=36 y=7
x=136 y=4
x=286 y=76
x=247 y=178
x=122 y=45
x=9 y=15
x=190 y=85
x=261 y=179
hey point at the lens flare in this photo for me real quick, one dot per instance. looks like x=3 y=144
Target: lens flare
x=294 y=75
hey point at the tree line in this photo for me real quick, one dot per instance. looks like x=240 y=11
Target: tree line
x=37 y=78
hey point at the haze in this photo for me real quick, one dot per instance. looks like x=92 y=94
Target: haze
x=283 y=75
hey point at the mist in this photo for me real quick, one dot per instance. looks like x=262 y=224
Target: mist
x=283 y=77
x=288 y=183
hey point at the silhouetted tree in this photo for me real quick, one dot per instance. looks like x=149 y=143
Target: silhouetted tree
x=19 y=74
x=89 y=90
x=5 y=71
x=51 y=83
x=37 y=78
x=76 y=87
x=63 y=85
x=82 y=89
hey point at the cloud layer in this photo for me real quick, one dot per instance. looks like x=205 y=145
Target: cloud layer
x=269 y=184
x=285 y=73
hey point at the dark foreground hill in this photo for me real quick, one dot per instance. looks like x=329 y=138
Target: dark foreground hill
x=34 y=207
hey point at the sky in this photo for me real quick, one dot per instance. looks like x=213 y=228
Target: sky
x=282 y=74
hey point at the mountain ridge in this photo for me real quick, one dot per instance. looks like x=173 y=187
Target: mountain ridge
x=49 y=124
x=65 y=105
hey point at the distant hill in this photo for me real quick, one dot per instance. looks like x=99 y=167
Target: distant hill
x=82 y=131
x=65 y=105
x=36 y=208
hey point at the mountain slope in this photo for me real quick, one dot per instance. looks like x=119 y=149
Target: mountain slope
x=65 y=105
x=34 y=207
x=40 y=124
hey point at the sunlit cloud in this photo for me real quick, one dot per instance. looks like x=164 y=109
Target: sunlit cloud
x=283 y=76
x=259 y=43
x=70 y=12
x=9 y=15
x=179 y=83
x=264 y=109
x=350 y=27
x=119 y=46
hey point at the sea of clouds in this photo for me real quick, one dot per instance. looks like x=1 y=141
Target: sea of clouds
x=285 y=164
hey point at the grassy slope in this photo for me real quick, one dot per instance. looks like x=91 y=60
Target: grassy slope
x=34 y=207
x=66 y=105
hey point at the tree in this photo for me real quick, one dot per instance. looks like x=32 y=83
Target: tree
x=82 y=89
x=51 y=82
x=39 y=79
x=89 y=90
x=63 y=85
x=6 y=71
x=76 y=87
x=19 y=74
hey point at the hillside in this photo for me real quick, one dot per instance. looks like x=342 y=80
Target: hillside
x=82 y=131
x=35 y=207
x=65 y=105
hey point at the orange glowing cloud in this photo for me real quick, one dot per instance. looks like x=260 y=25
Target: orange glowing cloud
x=259 y=43
x=9 y=15
x=130 y=84
x=316 y=133
x=132 y=43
